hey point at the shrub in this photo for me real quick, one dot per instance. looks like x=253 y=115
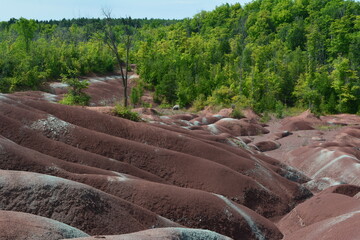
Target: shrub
x=237 y=113
x=222 y=95
x=75 y=95
x=265 y=118
x=146 y=105
x=125 y=112
x=165 y=106
x=199 y=103
x=135 y=96
x=81 y=99
x=279 y=109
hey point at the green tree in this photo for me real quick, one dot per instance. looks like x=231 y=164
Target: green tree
x=346 y=84
x=26 y=29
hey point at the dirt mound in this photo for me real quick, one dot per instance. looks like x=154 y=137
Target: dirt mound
x=337 y=160
x=226 y=112
x=265 y=146
x=342 y=119
x=319 y=184
x=279 y=135
x=75 y=204
x=322 y=212
x=38 y=95
x=146 y=111
x=251 y=115
x=199 y=207
x=241 y=127
x=341 y=227
x=296 y=125
x=165 y=234
x=199 y=151
x=105 y=110
x=186 y=117
x=137 y=172
x=304 y=121
x=206 y=120
x=345 y=189
x=18 y=225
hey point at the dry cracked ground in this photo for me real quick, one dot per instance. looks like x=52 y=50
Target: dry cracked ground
x=77 y=173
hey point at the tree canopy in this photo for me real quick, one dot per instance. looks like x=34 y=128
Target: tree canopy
x=265 y=54
x=293 y=52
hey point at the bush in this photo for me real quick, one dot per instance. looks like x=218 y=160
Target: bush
x=265 y=117
x=165 y=106
x=70 y=99
x=199 y=103
x=75 y=95
x=237 y=113
x=222 y=95
x=279 y=109
x=125 y=112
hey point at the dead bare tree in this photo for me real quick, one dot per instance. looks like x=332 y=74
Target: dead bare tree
x=112 y=38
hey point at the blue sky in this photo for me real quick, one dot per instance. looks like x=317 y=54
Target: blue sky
x=58 y=9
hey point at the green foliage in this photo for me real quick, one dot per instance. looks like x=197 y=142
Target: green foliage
x=26 y=30
x=165 y=106
x=265 y=55
x=279 y=109
x=221 y=96
x=82 y=99
x=265 y=117
x=237 y=113
x=33 y=52
x=75 y=95
x=135 y=96
x=199 y=103
x=125 y=112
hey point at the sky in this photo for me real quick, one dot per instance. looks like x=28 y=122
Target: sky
x=59 y=9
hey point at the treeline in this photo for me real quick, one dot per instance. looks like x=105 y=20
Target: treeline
x=34 y=52
x=265 y=55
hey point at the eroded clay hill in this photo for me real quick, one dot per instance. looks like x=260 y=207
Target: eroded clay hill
x=77 y=173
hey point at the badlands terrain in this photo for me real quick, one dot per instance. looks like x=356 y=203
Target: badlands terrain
x=80 y=173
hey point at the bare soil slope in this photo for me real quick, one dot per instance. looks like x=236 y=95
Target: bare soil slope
x=104 y=175
x=107 y=175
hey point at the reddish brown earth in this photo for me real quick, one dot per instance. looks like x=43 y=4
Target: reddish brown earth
x=325 y=149
x=164 y=234
x=116 y=179
x=18 y=225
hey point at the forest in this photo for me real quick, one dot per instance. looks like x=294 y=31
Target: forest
x=267 y=54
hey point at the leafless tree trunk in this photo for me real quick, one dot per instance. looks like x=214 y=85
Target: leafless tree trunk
x=112 y=40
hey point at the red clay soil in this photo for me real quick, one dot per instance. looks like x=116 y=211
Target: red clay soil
x=190 y=207
x=75 y=204
x=344 y=227
x=338 y=160
x=305 y=121
x=341 y=119
x=242 y=127
x=345 y=189
x=265 y=146
x=135 y=172
x=330 y=158
x=320 y=207
x=18 y=225
x=228 y=161
x=164 y=234
x=103 y=90
x=321 y=215
x=109 y=176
